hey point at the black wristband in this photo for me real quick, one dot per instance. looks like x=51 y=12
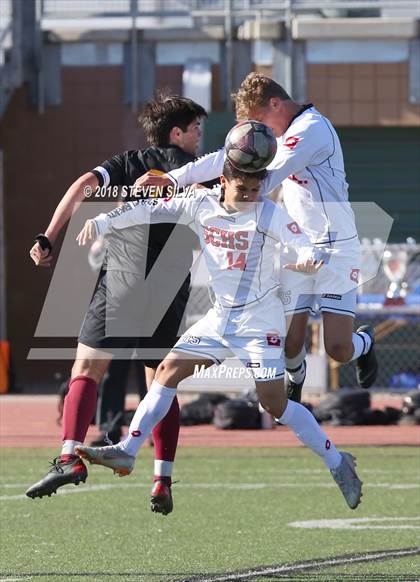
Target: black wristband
x=44 y=243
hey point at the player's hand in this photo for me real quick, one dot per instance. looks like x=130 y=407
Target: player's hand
x=41 y=257
x=151 y=178
x=87 y=233
x=308 y=267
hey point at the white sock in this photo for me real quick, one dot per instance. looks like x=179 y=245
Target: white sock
x=154 y=406
x=308 y=431
x=68 y=447
x=361 y=344
x=296 y=361
x=163 y=468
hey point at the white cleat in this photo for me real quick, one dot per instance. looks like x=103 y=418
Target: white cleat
x=112 y=457
x=346 y=478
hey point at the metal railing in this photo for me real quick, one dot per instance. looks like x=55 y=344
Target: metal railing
x=218 y=8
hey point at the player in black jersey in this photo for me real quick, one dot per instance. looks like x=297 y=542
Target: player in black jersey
x=172 y=128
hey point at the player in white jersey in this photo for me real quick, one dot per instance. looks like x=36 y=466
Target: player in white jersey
x=238 y=231
x=309 y=165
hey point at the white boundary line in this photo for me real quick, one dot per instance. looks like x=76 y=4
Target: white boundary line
x=229 y=486
x=356 y=523
x=304 y=566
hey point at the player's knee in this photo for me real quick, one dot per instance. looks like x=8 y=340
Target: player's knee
x=88 y=368
x=81 y=368
x=272 y=397
x=167 y=372
x=339 y=351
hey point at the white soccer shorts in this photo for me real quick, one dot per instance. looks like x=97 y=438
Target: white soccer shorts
x=254 y=334
x=333 y=288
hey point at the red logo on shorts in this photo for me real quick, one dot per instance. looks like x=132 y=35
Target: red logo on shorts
x=273 y=339
x=354 y=275
x=135 y=433
x=294 y=227
x=292 y=141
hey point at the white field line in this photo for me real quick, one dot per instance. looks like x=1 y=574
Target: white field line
x=301 y=567
x=357 y=523
x=229 y=486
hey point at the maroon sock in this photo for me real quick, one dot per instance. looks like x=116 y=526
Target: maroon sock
x=166 y=432
x=79 y=408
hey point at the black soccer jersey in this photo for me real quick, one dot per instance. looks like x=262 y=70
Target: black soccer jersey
x=127 y=250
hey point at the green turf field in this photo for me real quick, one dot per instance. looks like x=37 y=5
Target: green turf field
x=233 y=511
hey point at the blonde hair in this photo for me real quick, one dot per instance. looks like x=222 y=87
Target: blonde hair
x=255 y=91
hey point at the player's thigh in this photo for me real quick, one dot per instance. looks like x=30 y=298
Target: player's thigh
x=338 y=331
x=296 y=332
x=179 y=365
x=90 y=362
x=296 y=292
x=272 y=396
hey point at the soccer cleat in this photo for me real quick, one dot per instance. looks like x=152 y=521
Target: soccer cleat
x=61 y=473
x=161 y=497
x=294 y=390
x=367 y=365
x=112 y=457
x=346 y=478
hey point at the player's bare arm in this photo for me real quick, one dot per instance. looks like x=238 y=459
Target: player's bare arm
x=70 y=202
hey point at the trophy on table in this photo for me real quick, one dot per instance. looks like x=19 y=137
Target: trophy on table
x=394 y=263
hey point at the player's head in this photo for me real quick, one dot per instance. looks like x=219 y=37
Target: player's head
x=239 y=187
x=261 y=98
x=172 y=120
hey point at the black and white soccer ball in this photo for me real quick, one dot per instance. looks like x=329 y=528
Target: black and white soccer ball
x=250 y=146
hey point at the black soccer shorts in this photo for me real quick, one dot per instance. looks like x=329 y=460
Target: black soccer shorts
x=119 y=304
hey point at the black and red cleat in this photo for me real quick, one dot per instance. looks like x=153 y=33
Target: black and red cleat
x=161 y=496
x=70 y=469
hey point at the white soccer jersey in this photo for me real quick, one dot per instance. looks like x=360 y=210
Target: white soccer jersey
x=238 y=247
x=309 y=164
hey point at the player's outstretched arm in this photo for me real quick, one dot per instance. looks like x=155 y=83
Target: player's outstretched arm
x=176 y=210
x=206 y=168
x=41 y=250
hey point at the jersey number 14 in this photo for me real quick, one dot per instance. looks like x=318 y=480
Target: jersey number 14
x=236 y=263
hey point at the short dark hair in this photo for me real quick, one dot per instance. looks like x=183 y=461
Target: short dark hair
x=232 y=173
x=161 y=114
x=255 y=91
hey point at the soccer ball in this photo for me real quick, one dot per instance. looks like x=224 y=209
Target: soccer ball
x=250 y=146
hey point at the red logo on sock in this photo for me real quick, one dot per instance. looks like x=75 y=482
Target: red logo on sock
x=135 y=433
x=327 y=445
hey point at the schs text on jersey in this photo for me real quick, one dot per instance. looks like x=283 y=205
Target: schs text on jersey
x=227 y=239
